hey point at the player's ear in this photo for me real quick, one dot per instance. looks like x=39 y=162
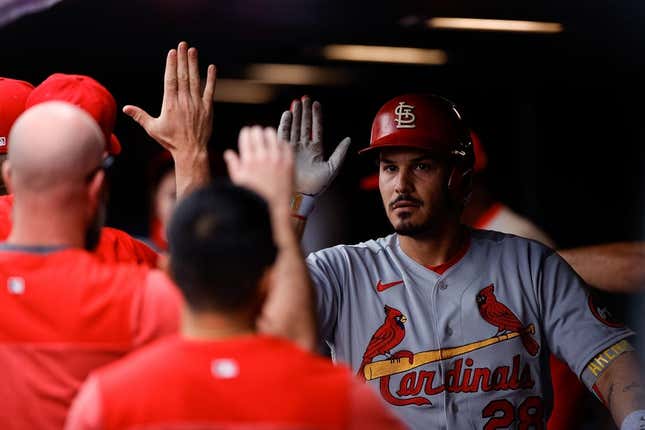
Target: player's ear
x=95 y=186
x=6 y=176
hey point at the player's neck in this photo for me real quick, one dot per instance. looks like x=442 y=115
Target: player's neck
x=38 y=227
x=433 y=250
x=214 y=326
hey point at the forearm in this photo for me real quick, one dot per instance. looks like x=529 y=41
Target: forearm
x=298 y=225
x=616 y=267
x=192 y=170
x=621 y=387
x=289 y=310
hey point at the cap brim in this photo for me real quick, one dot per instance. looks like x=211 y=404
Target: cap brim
x=114 y=146
x=385 y=145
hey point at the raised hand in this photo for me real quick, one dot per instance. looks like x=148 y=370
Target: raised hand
x=264 y=164
x=185 y=123
x=302 y=128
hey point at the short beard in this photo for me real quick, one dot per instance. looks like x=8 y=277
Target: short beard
x=407 y=228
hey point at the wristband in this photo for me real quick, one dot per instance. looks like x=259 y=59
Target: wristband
x=634 y=421
x=302 y=205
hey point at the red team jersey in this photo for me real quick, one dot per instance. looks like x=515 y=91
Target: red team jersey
x=115 y=246
x=65 y=313
x=249 y=382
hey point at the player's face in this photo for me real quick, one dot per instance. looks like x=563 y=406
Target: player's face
x=414 y=190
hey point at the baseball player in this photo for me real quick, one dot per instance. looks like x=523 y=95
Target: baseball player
x=219 y=373
x=163 y=197
x=453 y=327
x=64 y=311
x=113 y=245
x=13 y=95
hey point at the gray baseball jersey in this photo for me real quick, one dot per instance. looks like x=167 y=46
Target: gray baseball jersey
x=467 y=347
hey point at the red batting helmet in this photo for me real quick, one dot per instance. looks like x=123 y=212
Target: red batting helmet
x=423 y=121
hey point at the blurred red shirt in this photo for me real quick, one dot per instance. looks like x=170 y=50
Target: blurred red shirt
x=115 y=246
x=248 y=382
x=65 y=313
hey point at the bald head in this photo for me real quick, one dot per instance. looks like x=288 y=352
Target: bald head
x=53 y=145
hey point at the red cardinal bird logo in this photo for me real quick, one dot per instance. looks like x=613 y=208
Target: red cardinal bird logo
x=387 y=337
x=497 y=314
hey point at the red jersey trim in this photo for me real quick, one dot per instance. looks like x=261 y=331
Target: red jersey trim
x=488 y=215
x=440 y=269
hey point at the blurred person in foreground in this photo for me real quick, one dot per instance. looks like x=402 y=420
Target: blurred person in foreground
x=163 y=197
x=64 y=311
x=220 y=373
x=86 y=93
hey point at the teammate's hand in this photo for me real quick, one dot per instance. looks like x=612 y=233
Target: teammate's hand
x=186 y=119
x=302 y=128
x=264 y=164
x=185 y=123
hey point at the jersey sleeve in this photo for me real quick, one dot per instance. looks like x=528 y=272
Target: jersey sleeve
x=328 y=273
x=116 y=246
x=576 y=329
x=86 y=411
x=156 y=312
x=367 y=411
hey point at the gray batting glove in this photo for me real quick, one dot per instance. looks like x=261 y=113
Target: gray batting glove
x=302 y=128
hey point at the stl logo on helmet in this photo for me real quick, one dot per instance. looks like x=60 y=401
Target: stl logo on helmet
x=405 y=117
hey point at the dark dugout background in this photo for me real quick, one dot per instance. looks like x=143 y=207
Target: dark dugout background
x=561 y=115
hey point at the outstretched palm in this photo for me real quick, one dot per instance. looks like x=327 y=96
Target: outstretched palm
x=302 y=128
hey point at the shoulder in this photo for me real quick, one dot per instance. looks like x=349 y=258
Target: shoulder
x=142 y=363
x=370 y=248
x=118 y=246
x=508 y=221
x=307 y=367
x=92 y=270
x=508 y=247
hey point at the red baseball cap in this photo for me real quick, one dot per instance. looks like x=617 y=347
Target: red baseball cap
x=85 y=93
x=13 y=96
